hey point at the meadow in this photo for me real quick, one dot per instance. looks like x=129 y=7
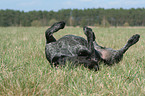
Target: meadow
x=24 y=70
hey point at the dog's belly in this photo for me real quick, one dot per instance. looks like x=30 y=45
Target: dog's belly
x=68 y=46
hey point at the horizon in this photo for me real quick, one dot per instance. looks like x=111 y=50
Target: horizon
x=72 y=9
x=56 y=5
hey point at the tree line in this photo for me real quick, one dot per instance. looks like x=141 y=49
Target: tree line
x=75 y=17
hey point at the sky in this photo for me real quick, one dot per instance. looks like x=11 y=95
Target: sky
x=55 y=5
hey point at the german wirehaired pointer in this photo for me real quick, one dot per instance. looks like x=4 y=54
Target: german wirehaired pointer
x=77 y=50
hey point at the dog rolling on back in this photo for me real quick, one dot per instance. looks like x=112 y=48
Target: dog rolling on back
x=80 y=51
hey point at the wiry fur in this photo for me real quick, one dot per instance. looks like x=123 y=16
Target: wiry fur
x=80 y=51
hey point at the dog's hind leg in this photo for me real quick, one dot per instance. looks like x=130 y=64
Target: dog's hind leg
x=54 y=28
x=131 y=41
x=116 y=55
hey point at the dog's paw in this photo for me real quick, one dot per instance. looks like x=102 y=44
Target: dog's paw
x=134 y=39
x=59 y=25
x=87 y=31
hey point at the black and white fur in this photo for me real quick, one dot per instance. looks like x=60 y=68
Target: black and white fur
x=80 y=51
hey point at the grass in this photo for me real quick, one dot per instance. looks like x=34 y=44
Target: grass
x=24 y=70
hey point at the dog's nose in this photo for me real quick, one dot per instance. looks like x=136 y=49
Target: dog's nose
x=95 y=64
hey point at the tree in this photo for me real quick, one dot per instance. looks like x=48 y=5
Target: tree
x=104 y=22
x=126 y=24
x=75 y=17
x=83 y=22
x=52 y=21
x=36 y=23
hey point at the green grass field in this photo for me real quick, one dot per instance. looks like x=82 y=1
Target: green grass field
x=24 y=70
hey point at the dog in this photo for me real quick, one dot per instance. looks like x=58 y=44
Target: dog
x=77 y=50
